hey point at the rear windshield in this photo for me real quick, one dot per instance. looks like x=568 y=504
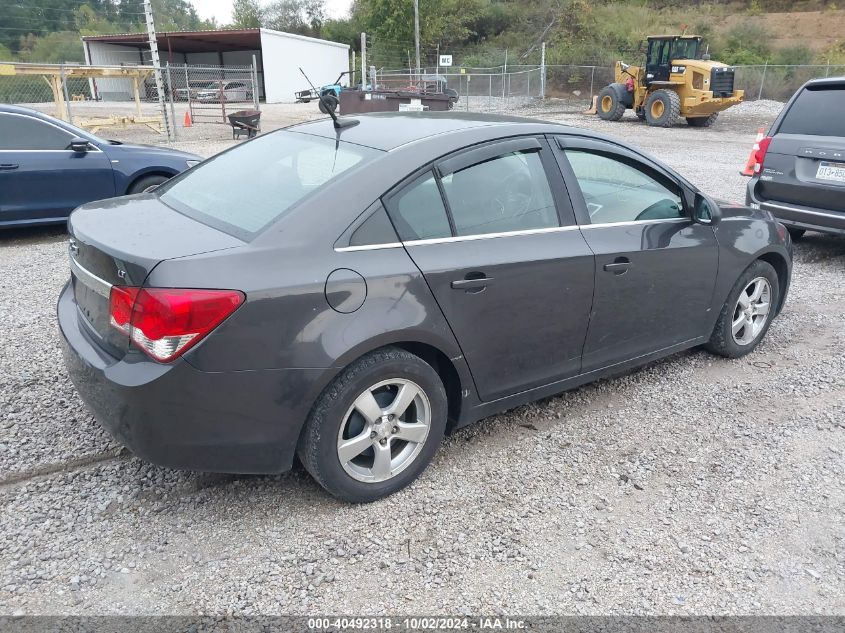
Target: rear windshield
x=817 y=112
x=244 y=190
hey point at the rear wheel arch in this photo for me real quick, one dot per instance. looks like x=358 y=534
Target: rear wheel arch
x=429 y=353
x=447 y=371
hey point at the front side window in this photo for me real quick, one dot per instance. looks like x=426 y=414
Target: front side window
x=654 y=53
x=509 y=193
x=245 y=189
x=27 y=133
x=617 y=191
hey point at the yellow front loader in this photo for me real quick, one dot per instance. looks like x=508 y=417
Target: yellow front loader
x=677 y=81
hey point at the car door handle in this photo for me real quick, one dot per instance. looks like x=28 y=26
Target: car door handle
x=8 y=166
x=472 y=284
x=619 y=266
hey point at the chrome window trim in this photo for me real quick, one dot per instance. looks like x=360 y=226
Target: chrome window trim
x=367 y=247
x=603 y=225
x=784 y=207
x=51 y=124
x=98 y=285
x=490 y=236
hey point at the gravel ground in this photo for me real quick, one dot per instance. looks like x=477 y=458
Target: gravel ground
x=697 y=485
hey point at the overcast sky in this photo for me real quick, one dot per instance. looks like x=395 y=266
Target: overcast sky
x=222 y=9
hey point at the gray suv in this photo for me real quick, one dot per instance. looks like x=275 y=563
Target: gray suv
x=800 y=170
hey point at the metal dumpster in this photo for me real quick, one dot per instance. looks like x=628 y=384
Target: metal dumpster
x=358 y=101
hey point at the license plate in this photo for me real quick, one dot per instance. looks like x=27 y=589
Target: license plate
x=831 y=171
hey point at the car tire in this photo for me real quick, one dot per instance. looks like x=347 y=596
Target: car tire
x=337 y=418
x=702 y=121
x=147 y=183
x=731 y=342
x=662 y=108
x=796 y=234
x=328 y=101
x=610 y=105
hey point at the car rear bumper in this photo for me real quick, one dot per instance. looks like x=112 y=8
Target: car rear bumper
x=177 y=416
x=799 y=216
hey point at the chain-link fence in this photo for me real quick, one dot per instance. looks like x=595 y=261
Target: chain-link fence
x=127 y=94
x=491 y=79
x=472 y=89
x=211 y=93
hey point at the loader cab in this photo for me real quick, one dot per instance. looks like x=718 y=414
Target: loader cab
x=663 y=50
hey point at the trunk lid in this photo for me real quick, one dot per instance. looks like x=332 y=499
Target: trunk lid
x=805 y=163
x=118 y=242
x=805 y=170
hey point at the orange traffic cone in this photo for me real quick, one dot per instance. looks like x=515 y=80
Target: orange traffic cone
x=187 y=122
x=752 y=160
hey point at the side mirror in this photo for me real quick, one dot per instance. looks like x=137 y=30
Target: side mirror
x=705 y=212
x=79 y=145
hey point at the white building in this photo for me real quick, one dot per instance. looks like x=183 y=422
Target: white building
x=278 y=57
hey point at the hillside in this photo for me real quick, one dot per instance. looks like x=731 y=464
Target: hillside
x=817 y=30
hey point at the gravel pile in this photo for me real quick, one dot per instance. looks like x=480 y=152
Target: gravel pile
x=697 y=485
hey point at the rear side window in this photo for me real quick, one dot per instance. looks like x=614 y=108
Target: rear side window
x=245 y=189
x=376 y=229
x=23 y=132
x=508 y=193
x=418 y=212
x=816 y=112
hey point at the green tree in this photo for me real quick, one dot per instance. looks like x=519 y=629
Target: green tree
x=55 y=48
x=246 y=14
x=304 y=17
x=441 y=21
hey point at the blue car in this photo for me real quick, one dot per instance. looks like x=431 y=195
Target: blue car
x=49 y=167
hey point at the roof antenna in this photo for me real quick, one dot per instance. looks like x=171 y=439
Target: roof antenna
x=338 y=124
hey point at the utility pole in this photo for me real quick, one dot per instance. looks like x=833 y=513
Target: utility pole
x=417 y=32
x=151 y=32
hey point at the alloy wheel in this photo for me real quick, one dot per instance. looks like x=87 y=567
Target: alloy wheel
x=751 y=311
x=384 y=430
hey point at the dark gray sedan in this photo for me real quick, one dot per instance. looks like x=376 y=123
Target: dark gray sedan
x=350 y=295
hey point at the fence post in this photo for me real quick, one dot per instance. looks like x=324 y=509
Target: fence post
x=67 y=99
x=504 y=72
x=762 y=81
x=543 y=71
x=592 y=79
x=255 y=87
x=188 y=92
x=490 y=92
x=172 y=106
x=364 y=61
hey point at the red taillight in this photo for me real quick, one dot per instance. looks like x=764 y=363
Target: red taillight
x=760 y=153
x=166 y=322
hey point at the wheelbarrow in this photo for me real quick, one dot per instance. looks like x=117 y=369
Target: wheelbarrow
x=245 y=122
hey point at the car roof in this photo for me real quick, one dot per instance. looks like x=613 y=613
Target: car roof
x=390 y=130
x=826 y=81
x=13 y=109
